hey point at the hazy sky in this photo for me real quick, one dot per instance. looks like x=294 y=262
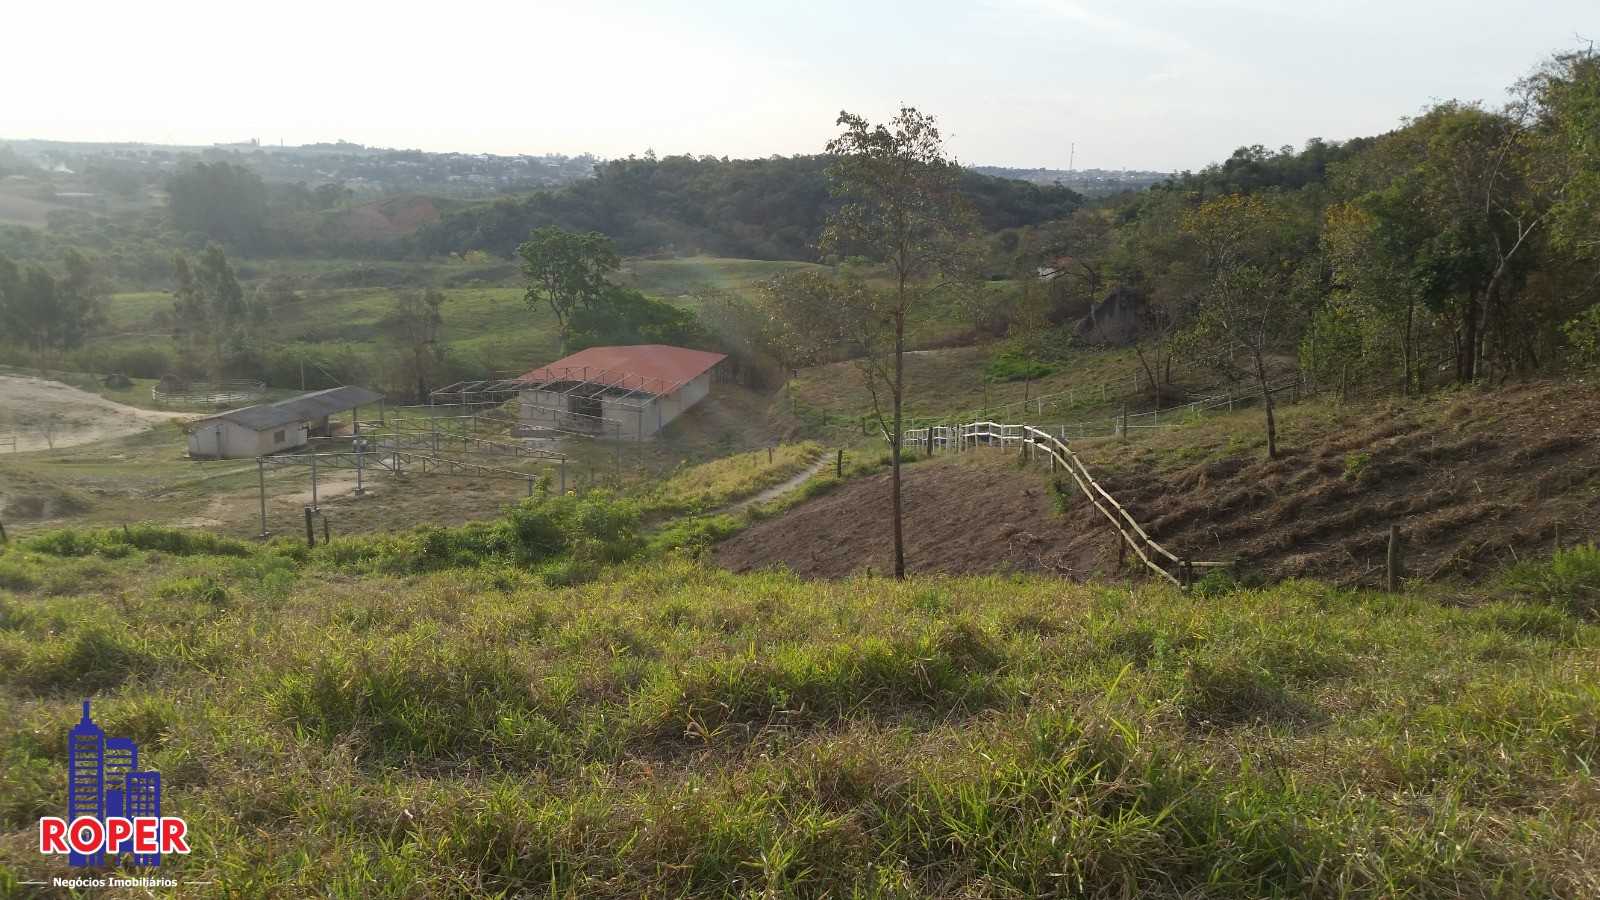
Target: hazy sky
x=1149 y=84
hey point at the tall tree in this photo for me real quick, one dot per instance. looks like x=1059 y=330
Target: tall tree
x=47 y=312
x=1255 y=253
x=567 y=270
x=1459 y=215
x=416 y=316
x=1565 y=98
x=902 y=208
x=210 y=315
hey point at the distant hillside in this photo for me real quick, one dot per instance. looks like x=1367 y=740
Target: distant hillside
x=1089 y=182
x=751 y=208
x=126 y=167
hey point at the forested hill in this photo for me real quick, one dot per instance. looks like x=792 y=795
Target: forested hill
x=750 y=208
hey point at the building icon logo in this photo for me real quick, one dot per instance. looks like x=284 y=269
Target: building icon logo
x=113 y=809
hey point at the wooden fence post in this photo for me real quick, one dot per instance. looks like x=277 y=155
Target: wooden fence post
x=311 y=534
x=1393 y=563
x=838 y=464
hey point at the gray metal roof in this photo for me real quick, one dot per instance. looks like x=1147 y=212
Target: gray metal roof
x=259 y=418
x=318 y=404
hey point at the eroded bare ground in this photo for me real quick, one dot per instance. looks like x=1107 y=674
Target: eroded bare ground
x=971 y=514
x=40 y=414
x=1475 y=480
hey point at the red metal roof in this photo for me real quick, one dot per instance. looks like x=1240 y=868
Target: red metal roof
x=653 y=368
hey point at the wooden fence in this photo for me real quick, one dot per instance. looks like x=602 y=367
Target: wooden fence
x=1034 y=442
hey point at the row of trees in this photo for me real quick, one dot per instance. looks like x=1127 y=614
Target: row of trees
x=1469 y=234
x=49 y=311
x=1459 y=247
x=755 y=208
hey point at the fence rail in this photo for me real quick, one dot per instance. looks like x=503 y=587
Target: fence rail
x=204 y=393
x=1034 y=441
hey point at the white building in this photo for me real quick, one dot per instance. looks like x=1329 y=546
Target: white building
x=629 y=391
x=247 y=433
x=277 y=427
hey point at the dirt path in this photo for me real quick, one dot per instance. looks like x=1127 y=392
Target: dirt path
x=778 y=490
x=40 y=414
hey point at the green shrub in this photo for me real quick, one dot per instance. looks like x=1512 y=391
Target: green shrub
x=1008 y=365
x=1354 y=463
x=596 y=529
x=1570 y=580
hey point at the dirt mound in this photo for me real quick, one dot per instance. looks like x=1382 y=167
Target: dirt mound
x=387 y=220
x=974 y=514
x=1475 y=481
x=381 y=221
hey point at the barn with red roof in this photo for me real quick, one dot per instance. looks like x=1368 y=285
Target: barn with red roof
x=629 y=391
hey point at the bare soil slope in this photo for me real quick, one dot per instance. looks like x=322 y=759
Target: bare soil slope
x=1475 y=480
x=970 y=514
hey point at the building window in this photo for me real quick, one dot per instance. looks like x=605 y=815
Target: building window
x=277 y=437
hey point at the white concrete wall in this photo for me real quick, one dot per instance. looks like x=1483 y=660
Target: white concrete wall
x=547 y=409
x=655 y=414
x=239 y=442
x=660 y=411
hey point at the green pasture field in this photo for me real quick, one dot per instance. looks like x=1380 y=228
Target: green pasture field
x=446 y=714
x=487 y=323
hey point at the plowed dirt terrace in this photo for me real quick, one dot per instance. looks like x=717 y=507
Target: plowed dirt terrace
x=1476 y=480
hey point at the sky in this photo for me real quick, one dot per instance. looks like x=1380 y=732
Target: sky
x=1163 y=85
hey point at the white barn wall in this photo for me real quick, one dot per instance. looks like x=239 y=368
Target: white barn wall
x=544 y=409
x=660 y=411
x=239 y=442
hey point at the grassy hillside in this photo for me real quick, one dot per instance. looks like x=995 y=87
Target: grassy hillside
x=428 y=715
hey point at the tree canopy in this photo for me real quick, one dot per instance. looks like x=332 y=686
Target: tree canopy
x=224 y=202
x=567 y=270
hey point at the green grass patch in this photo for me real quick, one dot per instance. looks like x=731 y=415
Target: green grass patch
x=1009 y=365
x=720 y=482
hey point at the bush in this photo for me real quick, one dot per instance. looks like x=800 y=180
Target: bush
x=593 y=529
x=198 y=588
x=115 y=543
